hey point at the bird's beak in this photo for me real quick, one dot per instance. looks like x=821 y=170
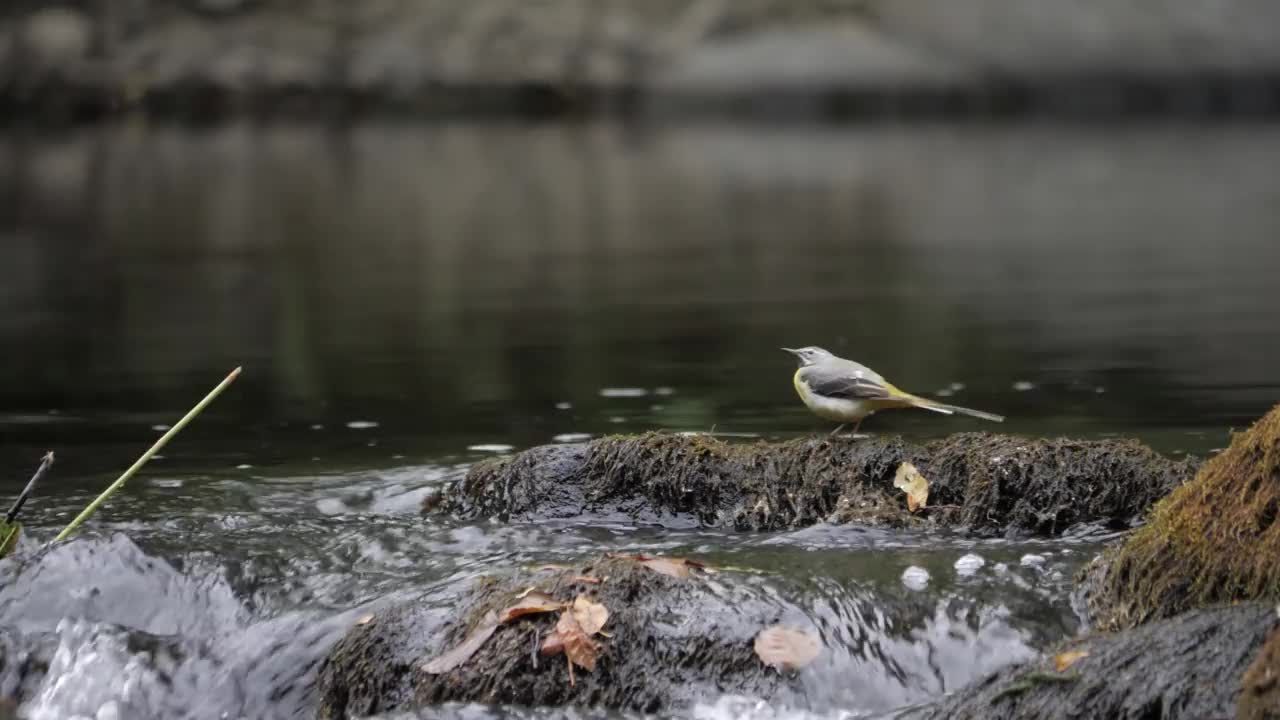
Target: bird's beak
x=793 y=352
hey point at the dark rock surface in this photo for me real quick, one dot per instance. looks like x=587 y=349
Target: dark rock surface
x=989 y=484
x=1187 y=667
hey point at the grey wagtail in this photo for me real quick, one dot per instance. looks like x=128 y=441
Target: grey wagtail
x=844 y=391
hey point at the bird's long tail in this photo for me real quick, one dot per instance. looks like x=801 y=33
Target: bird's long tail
x=945 y=409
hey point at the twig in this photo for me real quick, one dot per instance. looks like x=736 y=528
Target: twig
x=45 y=464
x=164 y=439
x=1030 y=680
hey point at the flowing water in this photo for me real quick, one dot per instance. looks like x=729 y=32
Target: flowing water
x=409 y=299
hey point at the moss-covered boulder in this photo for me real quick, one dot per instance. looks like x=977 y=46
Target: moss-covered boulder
x=1215 y=539
x=669 y=639
x=990 y=484
x=1260 y=691
x=1184 y=668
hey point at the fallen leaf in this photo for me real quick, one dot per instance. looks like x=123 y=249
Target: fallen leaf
x=530 y=603
x=573 y=631
x=910 y=481
x=787 y=648
x=1062 y=661
x=364 y=620
x=674 y=567
x=465 y=649
x=578 y=645
x=591 y=616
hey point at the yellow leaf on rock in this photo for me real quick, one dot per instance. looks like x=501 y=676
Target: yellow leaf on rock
x=910 y=481
x=1062 y=661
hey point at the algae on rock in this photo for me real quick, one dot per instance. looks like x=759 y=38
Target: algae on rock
x=1213 y=540
x=990 y=484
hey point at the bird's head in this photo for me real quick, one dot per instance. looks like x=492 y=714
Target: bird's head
x=809 y=355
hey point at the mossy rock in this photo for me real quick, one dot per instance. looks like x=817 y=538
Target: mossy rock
x=1187 y=667
x=1213 y=540
x=990 y=484
x=1260 y=691
x=669 y=639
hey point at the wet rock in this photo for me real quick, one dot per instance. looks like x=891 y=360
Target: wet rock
x=990 y=484
x=669 y=640
x=673 y=642
x=1186 y=667
x=1213 y=540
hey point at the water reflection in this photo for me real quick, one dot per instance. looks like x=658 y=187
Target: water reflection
x=501 y=284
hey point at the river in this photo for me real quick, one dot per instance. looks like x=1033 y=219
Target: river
x=407 y=299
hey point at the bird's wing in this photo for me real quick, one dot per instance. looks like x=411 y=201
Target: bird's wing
x=848 y=385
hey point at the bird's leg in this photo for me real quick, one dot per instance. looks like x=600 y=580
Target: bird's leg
x=836 y=431
x=857 y=425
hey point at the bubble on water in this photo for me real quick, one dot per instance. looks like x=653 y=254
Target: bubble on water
x=161 y=427
x=491 y=447
x=1024 y=385
x=617 y=419
x=969 y=564
x=244 y=466
x=623 y=392
x=572 y=437
x=564 y=406
x=331 y=506
x=915 y=578
x=1032 y=560
x=167 y=482
x=1099 y=389
x=317 y=426
x=362 y=424
x=956 y=386
x=944 y=392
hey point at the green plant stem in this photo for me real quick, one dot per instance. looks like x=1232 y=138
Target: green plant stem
x=164 y=439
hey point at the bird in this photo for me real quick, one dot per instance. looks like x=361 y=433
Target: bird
x=847 y=392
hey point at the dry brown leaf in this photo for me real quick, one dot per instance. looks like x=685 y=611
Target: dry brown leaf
x=591 y=616
x=1062 y=661
x=465 y=649
x=675 y=567
x=787 y=648
x=910 y=481
x=578 y=645
x=573 y=631
x=531 y=603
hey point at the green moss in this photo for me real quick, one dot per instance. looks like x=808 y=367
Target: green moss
x=1213 y=540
